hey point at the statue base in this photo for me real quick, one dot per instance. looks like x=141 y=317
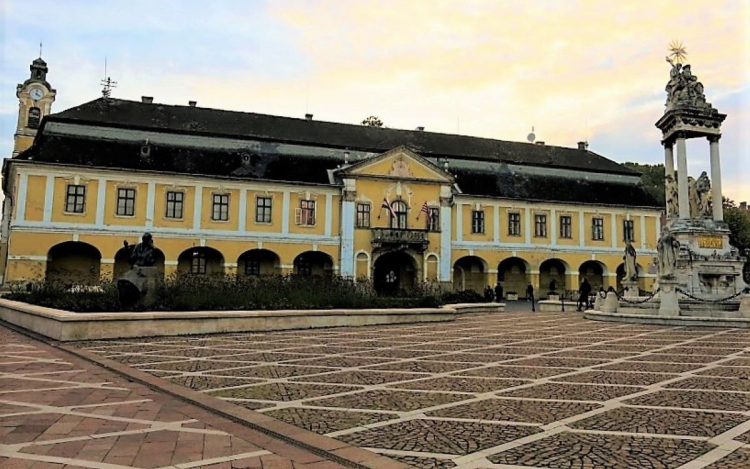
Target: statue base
x=610 y=303
x=139 y=284
x=708 y=267
x=630 y=289
x=669 y=305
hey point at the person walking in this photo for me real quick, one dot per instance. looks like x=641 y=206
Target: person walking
x=583 y=294
x=489 y=296
x=530 y=296
x=498 y=292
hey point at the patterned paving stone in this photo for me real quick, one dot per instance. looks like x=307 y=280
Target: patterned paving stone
x=719 y=384
x=133 y=359
x=53 y=426
x=270 y=371
x=458 y=384
x=282 y=391
x=557 y=362
x=663 y=421
x=569 y=450
x=360 y=377
x=738 y=459
x=728 y=372
x=424 y=463
x=393 y=353
x=514 y=410
x=478 y=358
x=614 y=377
x=200 y=383
x=339 y=362
x=420 y=366
x=325 y=421
x=595 y=354
x=516 y=372
x=35 y=367
x=579 y=392
x=438 y=436
x=737 y=362
x=719 y=352
x=651 y=367
x=611 y=347
x=191 y=366
x=745 y=438
x=674 y=358
x=383 y=399
x=708 y=400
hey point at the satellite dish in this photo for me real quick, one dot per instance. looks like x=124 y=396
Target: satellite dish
x=531 y=137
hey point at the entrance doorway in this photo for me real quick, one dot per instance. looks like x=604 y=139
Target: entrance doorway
x=395 y=272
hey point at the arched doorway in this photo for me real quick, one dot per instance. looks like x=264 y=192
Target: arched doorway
x=549 y=270
x=513 y=275
x=394 y=272
x=258 y=262
x=311 y=263
x=122 y=263
x=594 y=272
x=73 y=263
x=200 y=261
x=470 y=273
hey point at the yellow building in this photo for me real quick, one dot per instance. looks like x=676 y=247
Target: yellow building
x=251 y=194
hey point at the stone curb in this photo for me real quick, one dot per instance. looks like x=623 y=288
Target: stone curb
x=319 y=445
x=685 y=321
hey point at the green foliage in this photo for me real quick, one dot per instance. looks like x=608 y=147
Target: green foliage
x=739 y=225
x=465 y=296
x=652 y=178
x=372 y=121
x=212 y=293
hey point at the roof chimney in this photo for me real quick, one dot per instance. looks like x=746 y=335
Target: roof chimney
x=147 y=99
x=192 y=103
x=308 y=117
x=540 y=143
x=583 y=146
x=420 y=128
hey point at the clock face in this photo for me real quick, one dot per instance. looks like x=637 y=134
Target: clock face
x=36 y=94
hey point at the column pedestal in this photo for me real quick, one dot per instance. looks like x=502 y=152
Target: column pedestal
x=630 y=289
x=668 y=296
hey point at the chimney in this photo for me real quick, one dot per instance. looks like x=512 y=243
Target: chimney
x=583 y=146
x=743 y=205
x=540 y=143
x=192 y=103
x=308 y=117
x=420 y=128
x=147 y=99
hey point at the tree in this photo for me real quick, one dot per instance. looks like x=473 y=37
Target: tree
x=372 y=121
x=739 y=225
x=652 y=178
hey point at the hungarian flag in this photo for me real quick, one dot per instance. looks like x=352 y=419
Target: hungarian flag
x=387 y=205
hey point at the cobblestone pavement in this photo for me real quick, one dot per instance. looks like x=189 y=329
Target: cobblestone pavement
x=57 y=411
x=512 y=390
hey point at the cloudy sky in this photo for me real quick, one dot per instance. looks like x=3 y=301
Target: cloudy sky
x=572 y=69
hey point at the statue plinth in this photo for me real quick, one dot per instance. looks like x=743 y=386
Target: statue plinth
x=669 y=305
x=691 y=121
x=630 y=289
x=139 y=284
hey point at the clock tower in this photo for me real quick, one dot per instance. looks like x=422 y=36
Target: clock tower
x=35 y=98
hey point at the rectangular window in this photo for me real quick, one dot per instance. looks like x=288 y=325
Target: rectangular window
x=514 y=224
x=263 y=210
x=597 y=227
x=252 y=267
x=363 y=215
x=198 y=263
x=307 y=213
x=628 y=230
x=125 y=202
x=175 y=200
x=540 y=226
x=75 y=198
x=566 y=227
x=477 y=221
x=433 y=219
x=220 y=207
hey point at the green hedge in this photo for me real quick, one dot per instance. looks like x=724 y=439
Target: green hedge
x=211 y=293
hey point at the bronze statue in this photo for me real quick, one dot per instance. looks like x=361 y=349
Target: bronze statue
x=142 y=254
x=139 y=283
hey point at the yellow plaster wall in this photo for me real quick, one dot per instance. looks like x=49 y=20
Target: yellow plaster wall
x=385 y=167
x=504 y=217
x=36 y=187
x=277 y=207
x=546 y=239
x=574 y=228
x=110 y=205
x=58 y=204
x=160 y=206
x=589 y=230
x=295 y=199
x=207 y=210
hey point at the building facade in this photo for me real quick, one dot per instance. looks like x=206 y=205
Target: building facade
x=250 y=194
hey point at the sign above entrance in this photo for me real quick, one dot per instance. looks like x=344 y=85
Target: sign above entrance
x=390 y=237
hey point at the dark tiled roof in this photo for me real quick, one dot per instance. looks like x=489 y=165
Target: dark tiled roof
x=195 y=120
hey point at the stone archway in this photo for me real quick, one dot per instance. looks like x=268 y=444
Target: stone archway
x=513 y=274
x=73 y=263
x=258 y=262
x=594 y=272
x=549 y=270
x=470 y=273
x=200 y=261
x=311 y=263
x=395 y=272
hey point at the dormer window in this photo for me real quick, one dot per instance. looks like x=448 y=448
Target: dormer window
x=35 y=117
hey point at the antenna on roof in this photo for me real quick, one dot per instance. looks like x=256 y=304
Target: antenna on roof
x=107 y=82
x=531 y=137
x=40 y=49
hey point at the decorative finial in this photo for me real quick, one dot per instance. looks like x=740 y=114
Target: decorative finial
x=40 y=49
x=677 y=53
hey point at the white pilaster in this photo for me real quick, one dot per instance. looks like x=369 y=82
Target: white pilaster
x=668 y=172
x=197 y=208
x=445 y=241
x=348 y=214
x=553 y=227
x=101 y=201
x=718 y=209
x=459 y=225
x=527 y=225
x=285 y=213
x=581 y=228
x=23 y=180
x=496 y=224
x=150 y=201
x=682 y=179
x=329 y=215
x=49 y=198
x=243 y=211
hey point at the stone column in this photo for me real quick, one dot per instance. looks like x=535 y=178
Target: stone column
x=348 y=220
x=682 y=177
x=718 y=208
x=446 y=263
x=668 y=171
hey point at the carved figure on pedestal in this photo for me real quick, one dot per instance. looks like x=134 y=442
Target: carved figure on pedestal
x=699 y=193
x=142 y=254
x=683 y=88
x=673 y=208
x=631 y=269
x=139 y=283
x=667 y=250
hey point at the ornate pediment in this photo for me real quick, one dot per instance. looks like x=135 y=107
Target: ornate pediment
x=398 y=163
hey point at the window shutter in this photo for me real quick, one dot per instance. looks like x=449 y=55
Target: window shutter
x=298 y=216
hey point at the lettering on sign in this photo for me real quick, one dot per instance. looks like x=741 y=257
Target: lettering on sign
x=711 y=242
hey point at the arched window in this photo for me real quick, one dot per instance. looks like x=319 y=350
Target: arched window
x=35 y=116
x=401 y=210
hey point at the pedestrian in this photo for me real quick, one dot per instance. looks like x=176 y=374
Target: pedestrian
x=583 y=294
x=530 y=296
x=489 y=296
x=498 y=292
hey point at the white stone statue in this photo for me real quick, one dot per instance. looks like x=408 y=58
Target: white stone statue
x=673 y=197
x=684 y=89
x=699 y=193
x=667 y=250
x=631 y=270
